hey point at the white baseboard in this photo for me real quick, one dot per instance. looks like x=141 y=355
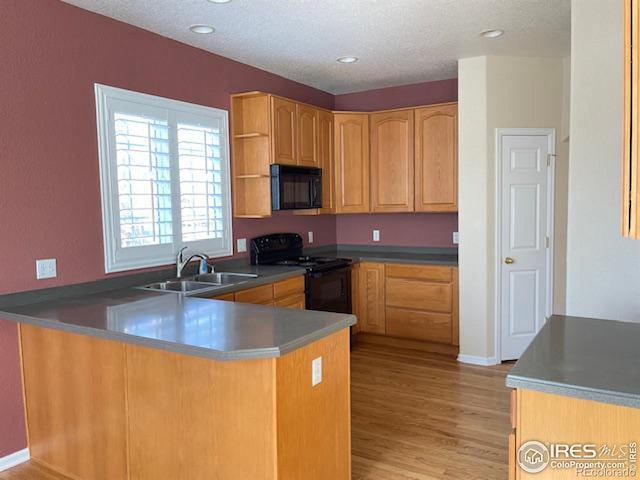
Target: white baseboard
x=14 y=459
x=474 y=360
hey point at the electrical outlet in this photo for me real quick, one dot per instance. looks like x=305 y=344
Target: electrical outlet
x=241 y=245
x=376 y=235
x=316 y=371
x=310 y=237
x=46 y=268
x=456 y=238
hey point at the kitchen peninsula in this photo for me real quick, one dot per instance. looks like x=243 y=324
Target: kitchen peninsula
x=130 y=384
x=579 y=381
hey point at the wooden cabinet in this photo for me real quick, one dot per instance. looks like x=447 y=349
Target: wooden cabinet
x=552 y=419
x=631 y=128
x=284 y=114
x=401 y=160
x=259 y=295
x=325 y=158
x=419 y=302
x=392 y=163
x=288 y=293
x=371 y=287
x=307 y=135
x=416 y=302
x=352 y=162
x=294 y=301
x=436 y=158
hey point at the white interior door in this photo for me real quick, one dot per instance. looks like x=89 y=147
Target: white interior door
x=525 y=231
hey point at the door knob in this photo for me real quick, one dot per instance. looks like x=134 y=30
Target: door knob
x=508 y=260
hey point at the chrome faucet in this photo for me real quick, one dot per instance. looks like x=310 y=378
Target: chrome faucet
x=180 y=264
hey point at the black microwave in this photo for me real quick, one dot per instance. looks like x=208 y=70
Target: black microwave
x=294 y=188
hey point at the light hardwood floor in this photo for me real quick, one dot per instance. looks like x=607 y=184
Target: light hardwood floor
x=415 y=416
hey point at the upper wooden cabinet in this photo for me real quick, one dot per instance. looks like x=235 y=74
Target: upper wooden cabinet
x=267 y=129
x=325 y=159
x=630 y=146
x=392 y=161
x=436 y=158
x=352 y=162
x=307 y=136
x=401 y=160
x=284 y=113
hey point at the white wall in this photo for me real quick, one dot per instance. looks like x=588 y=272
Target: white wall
x=603 y=269
x=499 y=92
x=473 y=207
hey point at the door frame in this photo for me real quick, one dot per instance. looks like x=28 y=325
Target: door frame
x=550 y=133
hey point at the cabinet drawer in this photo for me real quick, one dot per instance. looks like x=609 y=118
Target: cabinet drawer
x=432 y=327
x=419 y=295
x=290 y=286
x=227 y=297
x=428 y=273
x=262 y=294
x=294 y=301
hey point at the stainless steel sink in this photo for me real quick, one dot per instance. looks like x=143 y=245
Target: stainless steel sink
x=200 y=283
x=224 y=278
x=181 y=286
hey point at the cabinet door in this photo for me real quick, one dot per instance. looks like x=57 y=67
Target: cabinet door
x=436 y=161
x=284 y=131
x=352 y=162
x=392 y=161
x=294 y=301
x=325 y=158
x=261 y=295
x=371 y=293
x=307 y=136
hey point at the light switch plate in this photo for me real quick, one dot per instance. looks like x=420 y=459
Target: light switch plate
x=316 y=371
x=241 y=245
x=310 y=234
x=46 y=268
x=456 y=238
x=376 y=235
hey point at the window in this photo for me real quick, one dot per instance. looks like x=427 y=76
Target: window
x=165 y=182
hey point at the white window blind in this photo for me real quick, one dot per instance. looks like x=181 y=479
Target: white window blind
x=165 y=179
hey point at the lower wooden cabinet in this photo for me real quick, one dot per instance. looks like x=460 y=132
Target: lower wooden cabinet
x=370 y=293
x=288 y=293
x=411 y=301
x=558 y=419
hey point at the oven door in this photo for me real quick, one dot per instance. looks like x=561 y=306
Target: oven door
x=329 y=291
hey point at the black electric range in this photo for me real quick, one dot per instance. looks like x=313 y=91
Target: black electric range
x=327 y=280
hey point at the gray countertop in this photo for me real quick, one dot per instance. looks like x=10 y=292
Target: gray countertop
x=391 y=254
x=585 y=358
x=193 y=326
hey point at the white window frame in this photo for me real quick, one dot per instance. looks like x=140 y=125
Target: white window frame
x=118 y=259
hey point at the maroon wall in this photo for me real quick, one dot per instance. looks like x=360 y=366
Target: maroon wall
x=397 y=97
x=52 y=54
x=401 y=229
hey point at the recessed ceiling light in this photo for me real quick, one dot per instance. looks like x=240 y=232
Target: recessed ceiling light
x=203 y=29
x=492 y=33
x=219 y=1
x=347 y=59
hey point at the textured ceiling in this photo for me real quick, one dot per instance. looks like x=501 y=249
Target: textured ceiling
x=398 y=41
